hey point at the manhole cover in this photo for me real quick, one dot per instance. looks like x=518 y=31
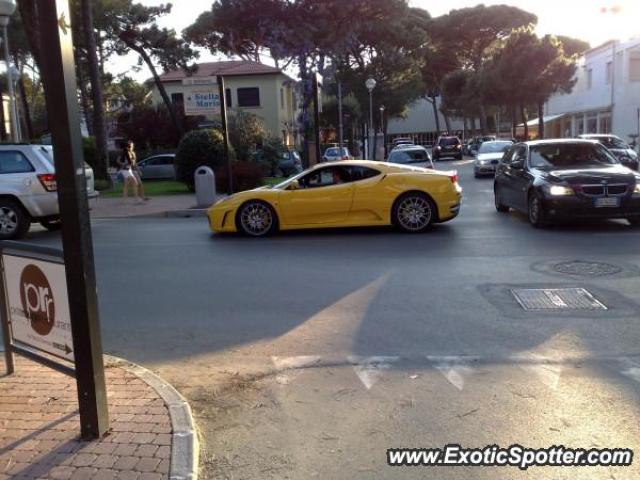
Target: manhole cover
x=586 y=269
x=556 y=299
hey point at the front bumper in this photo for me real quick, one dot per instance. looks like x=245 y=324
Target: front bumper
x=222 y=217
x=580 y=206
x=479 y=168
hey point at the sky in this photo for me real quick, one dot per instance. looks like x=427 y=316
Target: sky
x=595 y=21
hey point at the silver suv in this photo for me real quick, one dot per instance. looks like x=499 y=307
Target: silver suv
x=28 y=190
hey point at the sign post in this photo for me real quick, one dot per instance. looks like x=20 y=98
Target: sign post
x=225 y=131
x=59 y=80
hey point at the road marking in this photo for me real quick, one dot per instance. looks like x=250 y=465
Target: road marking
x=369 y=369
x=454 y=368
x=300 y=361
x=542 y=367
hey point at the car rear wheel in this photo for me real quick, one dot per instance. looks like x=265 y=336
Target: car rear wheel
x=14 y=221
x=256 y=219
x=414 y=212
x=497 y=200
x=537 y=215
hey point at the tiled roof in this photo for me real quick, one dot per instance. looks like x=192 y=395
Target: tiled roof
x=229 y=68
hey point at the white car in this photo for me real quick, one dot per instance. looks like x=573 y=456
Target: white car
x=28 y=189
x=489 y=155
x=334 y=154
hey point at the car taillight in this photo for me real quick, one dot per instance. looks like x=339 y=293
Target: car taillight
x=454 y=178
x=48 y=181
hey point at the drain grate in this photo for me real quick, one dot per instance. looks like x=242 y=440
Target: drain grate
x=556 y=299
x=587 y=269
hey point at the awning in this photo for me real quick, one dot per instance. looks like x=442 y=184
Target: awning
x=545 y=119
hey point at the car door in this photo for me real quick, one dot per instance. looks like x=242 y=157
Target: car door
x=504 y=175
x=519 y=177
x=368 y=206
x=166 y=167
x=147 y=168
x=324 y=196
x=17 y=174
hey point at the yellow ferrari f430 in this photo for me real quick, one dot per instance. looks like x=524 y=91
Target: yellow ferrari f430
x=343 y=194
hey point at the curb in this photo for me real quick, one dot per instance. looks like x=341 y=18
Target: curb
x=184 y=438
x=190 y=212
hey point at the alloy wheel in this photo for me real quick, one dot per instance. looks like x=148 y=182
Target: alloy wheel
x=256 y=219
x=8 y=221
x=414 y=213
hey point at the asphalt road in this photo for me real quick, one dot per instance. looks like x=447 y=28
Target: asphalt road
x=308 y=354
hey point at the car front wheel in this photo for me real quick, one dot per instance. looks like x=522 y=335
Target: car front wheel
x=256 y=219
x=14 y=221
x=497 y=200
x=414 y=212
x=537 y=214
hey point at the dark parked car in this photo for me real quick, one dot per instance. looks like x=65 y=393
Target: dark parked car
x=556 y=179
x=411 y=154
x=618 y=147
x=291 y=163
x=447 y=146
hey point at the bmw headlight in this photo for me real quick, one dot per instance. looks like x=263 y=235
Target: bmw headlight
x=636 y=190
x=559 y=190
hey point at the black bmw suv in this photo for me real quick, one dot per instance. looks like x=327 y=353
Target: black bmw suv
x=447 y=146
x=556 y=179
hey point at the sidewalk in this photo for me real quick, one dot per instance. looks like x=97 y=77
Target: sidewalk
x=156 y=206
x=151 y=436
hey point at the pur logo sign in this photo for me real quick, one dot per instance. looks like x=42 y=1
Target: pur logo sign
x=37 y=299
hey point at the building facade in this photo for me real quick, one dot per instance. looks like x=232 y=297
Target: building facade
x=605 y=98
x=251 y=87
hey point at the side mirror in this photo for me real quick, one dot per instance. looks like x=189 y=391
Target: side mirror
x=518 y=164
x=294 y=185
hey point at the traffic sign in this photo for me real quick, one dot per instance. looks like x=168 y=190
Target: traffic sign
x=37 y=303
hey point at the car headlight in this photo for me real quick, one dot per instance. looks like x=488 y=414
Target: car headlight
x=636 y=190
x=559 y=190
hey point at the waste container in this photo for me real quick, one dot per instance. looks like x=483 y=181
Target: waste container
x=205 y=183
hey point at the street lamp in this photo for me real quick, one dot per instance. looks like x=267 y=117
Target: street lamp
x=370 y=84
x=384 y=139
x=7 y=7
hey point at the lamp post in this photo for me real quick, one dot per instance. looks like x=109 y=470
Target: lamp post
x=7 y=7
x=384 y=139
x=370 y=84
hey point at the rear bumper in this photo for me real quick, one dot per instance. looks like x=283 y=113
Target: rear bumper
x=484 y=169
x=583 y=207
x=41 y=206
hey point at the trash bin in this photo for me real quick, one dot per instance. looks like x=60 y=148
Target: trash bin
x=205 y=183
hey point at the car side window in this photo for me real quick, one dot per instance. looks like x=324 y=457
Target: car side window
x=399 y=157
x=325 y=177
x=362 y=173
x=508 y=155
x=165 y=160
x=519 y=152
x=14 y=162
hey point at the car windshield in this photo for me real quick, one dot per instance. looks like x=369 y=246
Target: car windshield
x=494 y=147
x=336 y=152
x=611 y=142
x=448 y=141
x=409 y=156
x=570 y=155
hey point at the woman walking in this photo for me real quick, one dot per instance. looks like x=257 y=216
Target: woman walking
x=131 y=173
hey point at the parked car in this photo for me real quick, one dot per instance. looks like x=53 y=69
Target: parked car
x=290 y=164
x=343 y=194
x=158 y=167
x=559 y=179
x=403 y=141
x=411 y=154
x=618 y=147
x=447 y=146
x=489 y=156
x=333 y=154
x=28 y=189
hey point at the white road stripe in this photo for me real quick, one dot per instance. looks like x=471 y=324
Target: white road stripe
x=300 y=361
x=454 y=368
x=369 y=369
x=547 y=371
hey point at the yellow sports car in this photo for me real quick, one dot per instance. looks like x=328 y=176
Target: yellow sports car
x=343 y=194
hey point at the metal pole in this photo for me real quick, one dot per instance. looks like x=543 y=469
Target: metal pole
x=340 y=126
x=59 y=80
x=6 y=336
x=225 y=131
x=384 y=142
x=371 y=130
x=316 y=115
x=4 y=21
x=613 y=83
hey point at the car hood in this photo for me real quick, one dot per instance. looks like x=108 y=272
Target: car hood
x=590 y=175
x=490 y=156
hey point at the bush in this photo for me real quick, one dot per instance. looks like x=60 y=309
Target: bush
x=271 y=153
x=198 y=148
x=101 y=185
x=246 y=132
x=246 y=175
x=90 y=151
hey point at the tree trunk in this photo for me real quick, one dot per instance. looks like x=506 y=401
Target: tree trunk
x=163 y=92
x=523 y=114
x=514 y=121
x=24 y=100
x=447 y=122
x=99 y=126
x=483 y=119
x=84 y=100
x=31 y=23
x=540 y=120
x=436 y=117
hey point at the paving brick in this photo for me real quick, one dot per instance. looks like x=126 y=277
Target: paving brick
x=61 y=472
x=84 y=459
x=106 y=474
x=126 y=463
x=146 y=450
x=163 y=452
x=163 y=466
x=151 y=476
x=131 y=475
x=104 y=461
x=84 y=473
x=147 y=464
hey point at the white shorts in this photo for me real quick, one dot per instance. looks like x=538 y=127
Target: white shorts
x=127 y=174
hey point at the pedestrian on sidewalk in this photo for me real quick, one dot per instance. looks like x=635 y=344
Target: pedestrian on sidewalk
x=131 y=173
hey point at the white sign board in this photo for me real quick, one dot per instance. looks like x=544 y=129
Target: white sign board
x=38 y=305
x=202 y=101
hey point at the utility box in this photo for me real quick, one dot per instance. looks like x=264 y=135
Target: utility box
x=205 y=184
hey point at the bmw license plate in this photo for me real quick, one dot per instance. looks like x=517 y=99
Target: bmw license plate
x=607 y=202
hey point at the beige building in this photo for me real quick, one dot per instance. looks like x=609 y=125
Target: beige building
x=251 y=87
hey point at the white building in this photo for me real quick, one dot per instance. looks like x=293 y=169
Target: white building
x=420 y=125
x=606 y=97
